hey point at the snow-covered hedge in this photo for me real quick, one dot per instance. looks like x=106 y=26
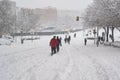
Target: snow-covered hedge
x=115 y=44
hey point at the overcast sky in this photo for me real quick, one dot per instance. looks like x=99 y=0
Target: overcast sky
x=59 y=4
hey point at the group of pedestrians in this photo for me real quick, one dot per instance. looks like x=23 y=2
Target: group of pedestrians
x=55 y=44
x=67 y=39
x=99 y=40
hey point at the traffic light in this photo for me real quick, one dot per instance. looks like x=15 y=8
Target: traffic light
x=77 y=18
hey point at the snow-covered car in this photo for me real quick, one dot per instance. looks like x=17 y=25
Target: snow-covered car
x=10 y=38
x=4 y=41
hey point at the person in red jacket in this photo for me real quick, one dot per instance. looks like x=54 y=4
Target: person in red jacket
x=53 y=44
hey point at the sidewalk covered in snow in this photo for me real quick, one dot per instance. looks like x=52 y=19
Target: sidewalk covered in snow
x=32 y=61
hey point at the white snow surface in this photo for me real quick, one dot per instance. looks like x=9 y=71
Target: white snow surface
x=32 y=61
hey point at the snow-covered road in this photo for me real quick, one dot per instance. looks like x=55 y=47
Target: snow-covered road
x=32 y=61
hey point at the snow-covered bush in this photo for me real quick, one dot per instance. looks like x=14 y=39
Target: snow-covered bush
x=4 y=41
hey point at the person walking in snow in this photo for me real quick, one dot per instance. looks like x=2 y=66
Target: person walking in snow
x=60 y=41
x=75 y=35
x=65 y=39
x=53 y=44
x=58 y=44
x=85 y=41
x=69 y=39
x=98 y=41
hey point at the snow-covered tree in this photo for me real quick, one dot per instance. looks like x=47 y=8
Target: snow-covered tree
x=103 y=14
x=7 y=16
x=26 y=20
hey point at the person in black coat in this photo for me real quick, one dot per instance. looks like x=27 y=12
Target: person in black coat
x=58 y=44
x=69 y=39
x=75 y=35
x=85 y=41
x=65 y=39
x=60 y=40
x=98 y=41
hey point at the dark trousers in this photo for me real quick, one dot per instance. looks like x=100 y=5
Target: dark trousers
x=97 y=43
x=57 y=48
x=53 y=50
x=85 y=42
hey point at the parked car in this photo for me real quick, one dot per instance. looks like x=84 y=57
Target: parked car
x=10 y=38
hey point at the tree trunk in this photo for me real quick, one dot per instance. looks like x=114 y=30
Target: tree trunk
x=107 y=35
x=112 y=33
x=104 y=29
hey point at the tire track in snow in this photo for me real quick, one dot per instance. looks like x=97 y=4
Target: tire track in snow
x=16 y=52
x=23 y=74
x=101 y=71
x=107 y=72
x=64 y=75
x=29 y=74
x=80 y=75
